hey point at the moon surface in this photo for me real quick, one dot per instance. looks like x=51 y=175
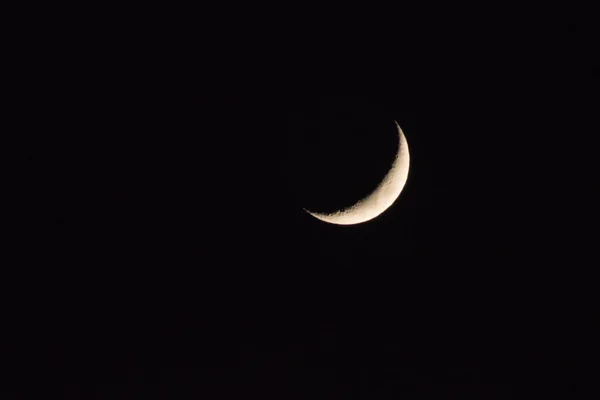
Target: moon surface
x=384 y=195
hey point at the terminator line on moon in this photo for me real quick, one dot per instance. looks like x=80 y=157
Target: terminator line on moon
x=381 y=198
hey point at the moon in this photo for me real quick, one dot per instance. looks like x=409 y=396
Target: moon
x=384 y=195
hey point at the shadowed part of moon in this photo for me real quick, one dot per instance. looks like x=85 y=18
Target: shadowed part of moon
x=380 y=199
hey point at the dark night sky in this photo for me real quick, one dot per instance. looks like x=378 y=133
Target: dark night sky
x=179 y=262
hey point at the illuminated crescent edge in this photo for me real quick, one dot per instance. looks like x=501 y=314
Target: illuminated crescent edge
x=384 y=195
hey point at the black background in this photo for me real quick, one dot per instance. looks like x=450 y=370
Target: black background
x=172 y=258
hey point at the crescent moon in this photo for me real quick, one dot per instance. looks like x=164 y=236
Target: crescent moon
x=384 y=195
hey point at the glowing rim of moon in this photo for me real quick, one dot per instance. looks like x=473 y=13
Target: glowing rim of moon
x=384 y=195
